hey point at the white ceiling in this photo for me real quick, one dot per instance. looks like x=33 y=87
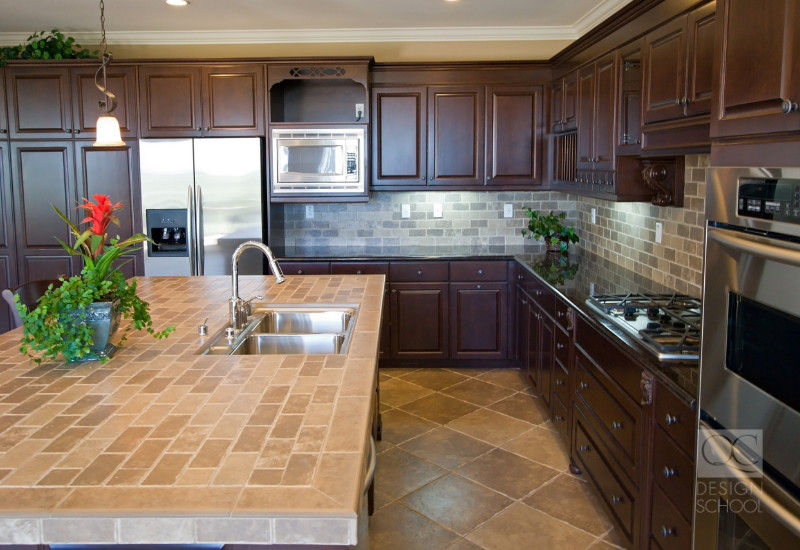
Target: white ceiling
x=149 y=22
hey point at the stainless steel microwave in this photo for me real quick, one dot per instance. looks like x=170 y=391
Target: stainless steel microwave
x=313 y=161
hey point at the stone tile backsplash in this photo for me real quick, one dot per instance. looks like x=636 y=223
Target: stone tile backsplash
x=624 y=233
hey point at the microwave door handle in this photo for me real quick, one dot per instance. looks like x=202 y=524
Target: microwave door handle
x=770 y=505
x=190 y=230
x=201 y=244
x=787 y=253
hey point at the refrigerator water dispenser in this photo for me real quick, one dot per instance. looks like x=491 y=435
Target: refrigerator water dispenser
x=167 y=228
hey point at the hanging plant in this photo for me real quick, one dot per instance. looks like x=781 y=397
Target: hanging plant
x=46 y=45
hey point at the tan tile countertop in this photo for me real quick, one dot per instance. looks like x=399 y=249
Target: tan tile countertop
x=160 y=445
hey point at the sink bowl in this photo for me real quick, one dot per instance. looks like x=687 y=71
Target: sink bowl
x=288 y=329
x=303 y=321
x=260 y=344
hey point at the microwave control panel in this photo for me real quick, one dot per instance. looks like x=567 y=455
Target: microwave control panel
x=770 y=199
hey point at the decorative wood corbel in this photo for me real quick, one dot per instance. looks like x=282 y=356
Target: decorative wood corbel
x=665 y=177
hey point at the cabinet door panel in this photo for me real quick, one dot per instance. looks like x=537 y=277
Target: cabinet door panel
x=513 y=155
x=478 y=312
x=557 y=105
x=5 y=282
x=700 y=68
x=585 y=116
x=112 y=171
x=38 y=103
x=3 y=119
x=455 y=135
x=665 y=72
x=398 y=136
x=759 y=45
x=570 y=108
x=121 y=81
x=43 y=175
x=419 y=320
x=605 y=113
x=170 y=101
x=233 y=102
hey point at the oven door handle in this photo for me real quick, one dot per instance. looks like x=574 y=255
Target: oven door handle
x=787 y=253
x=770 y=504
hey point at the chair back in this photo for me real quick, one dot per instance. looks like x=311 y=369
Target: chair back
x=29 y=293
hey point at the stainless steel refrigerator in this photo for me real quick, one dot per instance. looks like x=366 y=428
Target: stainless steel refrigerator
x=201 y=198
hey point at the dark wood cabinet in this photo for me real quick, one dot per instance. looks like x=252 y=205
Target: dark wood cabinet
x=677 y=65
x=514 y=144
x=193 y=101
x=455 y=135
x=301 y=267
x=61 y=102
x=757 y=76
x=564 y=105
x=419 y=320
x=7 y=254
x=597 y=109
x=629 y=124
x=43 y=173
x=3 y=118
x=398 y=136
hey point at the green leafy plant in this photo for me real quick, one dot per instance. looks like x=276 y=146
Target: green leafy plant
x=57 y=325
x=551 y=228
x=46 y=45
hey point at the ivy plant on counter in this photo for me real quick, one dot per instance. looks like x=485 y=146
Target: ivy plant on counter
x=551 y=228
x=46 y=45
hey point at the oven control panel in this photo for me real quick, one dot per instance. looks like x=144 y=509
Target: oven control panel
x=770 y=199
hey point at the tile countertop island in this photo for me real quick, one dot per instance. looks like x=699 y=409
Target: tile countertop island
x=161 y=445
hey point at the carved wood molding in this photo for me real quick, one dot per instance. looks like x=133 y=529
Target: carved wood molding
x=646 y=385
x=665 y=177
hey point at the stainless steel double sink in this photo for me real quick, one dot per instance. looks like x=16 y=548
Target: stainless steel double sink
x=288 y=329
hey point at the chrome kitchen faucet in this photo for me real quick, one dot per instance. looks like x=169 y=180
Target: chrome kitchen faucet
x=238 y=306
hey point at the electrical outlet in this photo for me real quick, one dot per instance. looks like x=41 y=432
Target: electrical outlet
x=594 y=215
x=508 y=210
x=591 y=289
x=359 y=111
x=405 y=211
x=659 y=232
x=437 y=210
x=309 y=211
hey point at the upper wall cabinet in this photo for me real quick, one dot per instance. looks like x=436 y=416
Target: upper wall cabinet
x=629 y=132
x=514 y=125
x=455 y=135
x=60 y=102
x=758 y=76
x=193 y=101
x=3 y=119
x=597 y=93
x=678 y=60
x=564 y=103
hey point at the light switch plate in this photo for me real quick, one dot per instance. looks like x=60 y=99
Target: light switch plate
x=659 y=232
x=309 y=211
x=508 y=210
x=405 y=211
x=437 y=210
x=594 y=215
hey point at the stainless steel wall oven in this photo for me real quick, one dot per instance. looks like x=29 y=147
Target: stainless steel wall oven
x=748 y=452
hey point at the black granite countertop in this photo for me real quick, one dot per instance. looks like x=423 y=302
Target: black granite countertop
x=389 y=253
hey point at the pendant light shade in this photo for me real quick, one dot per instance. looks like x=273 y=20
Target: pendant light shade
x=108 y=133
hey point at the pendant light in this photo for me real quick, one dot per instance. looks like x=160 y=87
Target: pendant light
x=107 y=128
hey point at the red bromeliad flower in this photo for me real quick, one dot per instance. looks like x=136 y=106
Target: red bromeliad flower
x=100 y=214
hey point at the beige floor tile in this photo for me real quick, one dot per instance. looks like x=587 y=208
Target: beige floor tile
x=478 y=392
x=522 y=406
x=541 y=445
x=400 y=426
x=508 y=473
x=512 y=379
x=395 y=527
x=519 y=526
x=603 y=545
x=456 y=503
x=490 y=426
x=434 y=379
x=396 y=392
x=464 y=544
x=447 y=448
x=439 y=408
x=398 y=473
x=574 y=501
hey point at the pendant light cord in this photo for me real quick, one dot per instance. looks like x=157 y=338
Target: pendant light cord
x=110 y=101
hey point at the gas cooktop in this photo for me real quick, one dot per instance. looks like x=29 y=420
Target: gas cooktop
x=667 y=324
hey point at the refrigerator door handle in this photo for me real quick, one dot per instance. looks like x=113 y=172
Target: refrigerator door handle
x=201 y=256
x=190 y=231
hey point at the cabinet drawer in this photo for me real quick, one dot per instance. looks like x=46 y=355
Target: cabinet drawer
x=360 y=268
x=618 y=499
x=606 y=412
x=407 y=272
x=562 y=314
x=673 y=472
x=677 y=419
x=478 y=271
x=562 y=347
x=561 y=383
x=305 y=268
x=668 y=529
x=560 y=417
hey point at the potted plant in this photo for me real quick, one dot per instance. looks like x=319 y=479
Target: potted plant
x=551 y=228
x=71 y=319
x=45 y=45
